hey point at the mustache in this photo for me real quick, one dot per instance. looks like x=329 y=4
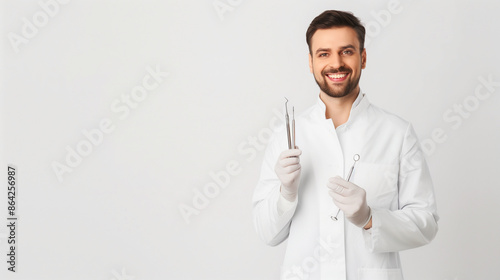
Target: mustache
x=333 y=70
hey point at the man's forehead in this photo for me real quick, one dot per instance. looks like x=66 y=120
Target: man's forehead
x=335 y=37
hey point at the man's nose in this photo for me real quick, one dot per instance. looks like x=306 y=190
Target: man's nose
x=335 y=61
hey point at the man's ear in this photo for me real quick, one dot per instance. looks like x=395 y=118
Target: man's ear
x=363 y=59
x=310 y=63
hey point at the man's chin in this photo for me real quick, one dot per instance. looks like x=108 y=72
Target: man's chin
x=335 y=93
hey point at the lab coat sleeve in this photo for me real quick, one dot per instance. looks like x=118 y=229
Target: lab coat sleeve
x=271 y=225
x=414 y=223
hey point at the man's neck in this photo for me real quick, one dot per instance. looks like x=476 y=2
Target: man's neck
x=338 y=108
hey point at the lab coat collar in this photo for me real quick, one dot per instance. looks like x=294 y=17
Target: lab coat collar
x=358 y=106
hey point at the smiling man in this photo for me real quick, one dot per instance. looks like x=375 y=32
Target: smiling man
x=386 y=202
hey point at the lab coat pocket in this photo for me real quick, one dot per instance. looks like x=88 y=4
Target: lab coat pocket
x=380 y=182
x=380 y=274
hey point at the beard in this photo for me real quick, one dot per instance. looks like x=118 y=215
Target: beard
x=337 y=91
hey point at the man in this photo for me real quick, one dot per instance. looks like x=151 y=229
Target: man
x=387 y=206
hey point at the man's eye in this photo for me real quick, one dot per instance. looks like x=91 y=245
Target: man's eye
x=323 y=55
x=347 y=52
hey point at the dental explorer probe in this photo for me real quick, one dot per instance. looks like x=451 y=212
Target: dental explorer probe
x=287 y=119
x=356 y=158
x=293 y=127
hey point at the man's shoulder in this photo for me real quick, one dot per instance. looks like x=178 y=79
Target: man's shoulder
x=383 y=116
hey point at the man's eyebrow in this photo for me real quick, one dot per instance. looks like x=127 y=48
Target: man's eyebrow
x=348 y=47
x=323 y=50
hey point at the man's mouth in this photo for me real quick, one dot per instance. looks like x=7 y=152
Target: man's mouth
x=337 y=77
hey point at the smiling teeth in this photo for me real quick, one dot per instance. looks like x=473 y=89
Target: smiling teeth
x=337 y=76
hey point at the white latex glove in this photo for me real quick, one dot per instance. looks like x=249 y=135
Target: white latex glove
x=288 y=170
x=351 y=199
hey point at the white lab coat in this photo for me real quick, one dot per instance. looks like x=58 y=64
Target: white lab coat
x=392 y=170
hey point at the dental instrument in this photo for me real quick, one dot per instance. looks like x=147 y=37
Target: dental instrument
x=290 y=132
x=356 y=158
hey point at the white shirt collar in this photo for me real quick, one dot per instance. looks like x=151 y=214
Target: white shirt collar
x=358 y=106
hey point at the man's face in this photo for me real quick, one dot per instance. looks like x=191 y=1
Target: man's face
x=336 y=61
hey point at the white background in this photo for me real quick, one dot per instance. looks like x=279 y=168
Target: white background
x=116 y=215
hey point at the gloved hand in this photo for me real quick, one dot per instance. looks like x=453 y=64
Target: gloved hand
x=288 y=170
x=351 y=199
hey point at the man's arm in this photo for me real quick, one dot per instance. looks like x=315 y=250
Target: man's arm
x=272 y=212
x=415 y=222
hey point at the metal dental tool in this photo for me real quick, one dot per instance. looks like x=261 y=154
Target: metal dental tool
x=290 y=132
x=356 y=158
x=293 y=127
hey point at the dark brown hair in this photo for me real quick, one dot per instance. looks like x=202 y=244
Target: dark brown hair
x=333 y=18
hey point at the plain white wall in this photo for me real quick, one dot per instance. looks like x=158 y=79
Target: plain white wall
x=116 y=213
